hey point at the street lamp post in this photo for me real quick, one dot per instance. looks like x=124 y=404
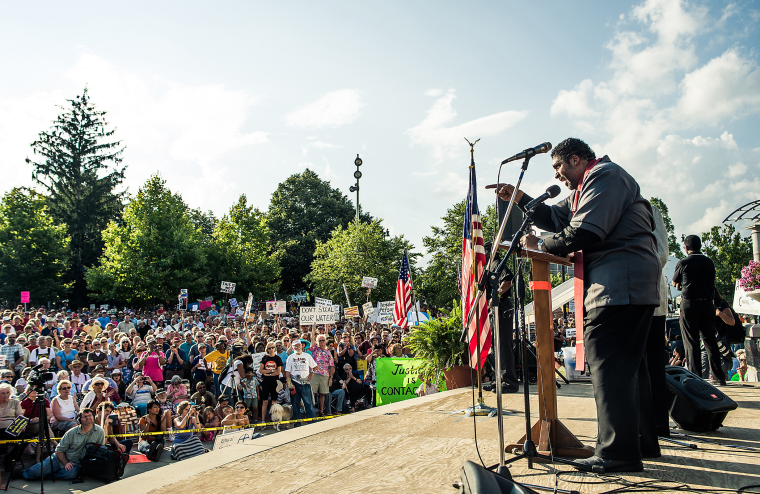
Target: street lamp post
x=357 y=175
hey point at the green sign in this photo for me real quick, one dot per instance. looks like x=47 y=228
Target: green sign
x=397 y=379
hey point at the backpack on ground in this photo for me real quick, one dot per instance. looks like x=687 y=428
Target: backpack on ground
x=103 y=463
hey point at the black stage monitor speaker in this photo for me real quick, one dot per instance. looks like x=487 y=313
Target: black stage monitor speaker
x=478 y=480
x=515 y=220
x=695 y=404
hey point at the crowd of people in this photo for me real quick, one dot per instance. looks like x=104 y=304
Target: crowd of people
x=178 y=372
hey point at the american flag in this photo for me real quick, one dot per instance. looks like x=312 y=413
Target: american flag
x=403 y=294
x=473 y=265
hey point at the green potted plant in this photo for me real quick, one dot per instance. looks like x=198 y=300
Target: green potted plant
x=438 y=344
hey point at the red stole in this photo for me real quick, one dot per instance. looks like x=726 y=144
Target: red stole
x=580 y=354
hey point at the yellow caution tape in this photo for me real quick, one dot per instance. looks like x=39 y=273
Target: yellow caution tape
x=184 y=431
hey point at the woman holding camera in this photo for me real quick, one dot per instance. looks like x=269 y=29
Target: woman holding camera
x=152 y=362
x=186 y=445
x=141 y=392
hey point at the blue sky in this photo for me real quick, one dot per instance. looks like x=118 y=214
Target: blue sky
x=232 y=98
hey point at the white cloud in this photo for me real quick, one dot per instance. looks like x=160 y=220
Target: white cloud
x=452 y=186
x=658 y=91
x=434 y=93
x=161 y=122
x=323 y=145
x=449 y=141
x=726 y=87
x=333 y=109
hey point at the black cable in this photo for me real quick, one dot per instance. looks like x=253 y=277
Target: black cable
x=474 y=421
x=647 y=485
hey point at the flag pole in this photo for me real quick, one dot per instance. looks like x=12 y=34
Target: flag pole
x=480 y=408
x=411 y=282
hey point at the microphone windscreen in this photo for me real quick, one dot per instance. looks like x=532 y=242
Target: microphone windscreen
x=554 y=190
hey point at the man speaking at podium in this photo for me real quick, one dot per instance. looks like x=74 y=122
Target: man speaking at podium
x=607 y=218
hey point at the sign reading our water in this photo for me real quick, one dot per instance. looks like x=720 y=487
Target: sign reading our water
x=317 y=315
x=385 y=312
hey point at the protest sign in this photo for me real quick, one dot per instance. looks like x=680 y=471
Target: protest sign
x=385 y=312
x=92 y=306
x=24 y=297
x=368 y=282
x=316 y=315
x=368 y=309
x=233 y=303
x=257 y=361
x=570 y=332
x=248 y=305
x=227 y=287
x=18 y=425
x=204 y=304
x=397 y=379
x=351 y=311
x=323 y=302
x=243 y=437
x=239 y=312
x=276 y=307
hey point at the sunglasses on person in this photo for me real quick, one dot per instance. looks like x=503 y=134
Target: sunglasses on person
x=98 y=384
x=240 y=407
x=64 y=387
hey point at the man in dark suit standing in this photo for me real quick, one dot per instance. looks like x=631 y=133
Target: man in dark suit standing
x=695 y=277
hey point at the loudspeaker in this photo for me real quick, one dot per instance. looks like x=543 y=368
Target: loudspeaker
x=695 y=404
x=478 y=480
x=515 y=220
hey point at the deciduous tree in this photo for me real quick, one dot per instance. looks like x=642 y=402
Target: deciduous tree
x=33 y=249
x=354 y=252
x=730 y=252
x=304 y=209
x=153 y=252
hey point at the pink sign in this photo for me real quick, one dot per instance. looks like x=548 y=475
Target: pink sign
x=24 y=297
x=204 y=304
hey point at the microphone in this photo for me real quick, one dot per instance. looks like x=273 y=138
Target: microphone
x=552 y=191
x=529 y=153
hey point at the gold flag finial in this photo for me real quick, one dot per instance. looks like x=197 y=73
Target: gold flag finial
x=472 y=151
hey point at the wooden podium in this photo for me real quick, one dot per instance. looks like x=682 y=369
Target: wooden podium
x=548 y=433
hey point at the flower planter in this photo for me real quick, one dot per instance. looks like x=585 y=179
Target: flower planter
x=754 y=295
x=458 y=376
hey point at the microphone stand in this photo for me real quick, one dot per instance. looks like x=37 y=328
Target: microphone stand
x=529 y=448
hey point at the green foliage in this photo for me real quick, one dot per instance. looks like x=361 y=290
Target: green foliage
x=240 y=253
x=33 y=249
x=353 y=252
x=205 y=222
x=730 y=253
x=438 y=344
x=674 y=247
x=155 y=251
x=439 y=282
x=304 y=210
x=79 y=171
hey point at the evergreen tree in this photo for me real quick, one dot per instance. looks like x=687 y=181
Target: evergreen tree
x=79 y=168
x=33 y=249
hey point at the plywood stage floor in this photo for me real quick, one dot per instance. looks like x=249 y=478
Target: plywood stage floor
x=421 y=449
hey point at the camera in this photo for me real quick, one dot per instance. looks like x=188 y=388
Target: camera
x=37 y=379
